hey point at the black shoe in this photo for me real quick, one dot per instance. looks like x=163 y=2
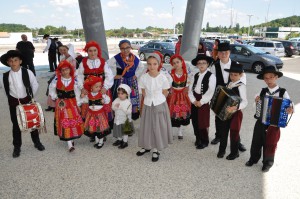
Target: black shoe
x=180 y=137
x=92 y=139
x=117 y=143
x=250 y=163
x=215 y=141
x=266 y=168
x=16 y=152
x=232 y=156
x=97 y=146
x=49 y=108
x=155 y=159
x=242 y=148
x=201 y=146
x=71 y=149
x=221 y=154
x=139 y=153
x=39 y=146
x=123 y=145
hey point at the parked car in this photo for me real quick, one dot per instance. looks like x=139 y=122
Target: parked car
x=209 y=45
x=253 y=58
x=298 y=47
x=166 y=48
x=290 y=48
x=173 y=40
x=295 y=39
x=137 y=44
x=273 y=47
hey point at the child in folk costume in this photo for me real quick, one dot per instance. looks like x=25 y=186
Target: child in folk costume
x=178 y=99
x=234 y=124
x=95 y=65
x=122 y=108
x=128 y=68
x=20 y=86
x=265 y=136
x=201 y=91
x=96 y=121
x=155 y=128
x=65 y=89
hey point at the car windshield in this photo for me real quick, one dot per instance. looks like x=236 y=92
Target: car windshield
x=255 y=50
x=278 y=45
x=168 y=45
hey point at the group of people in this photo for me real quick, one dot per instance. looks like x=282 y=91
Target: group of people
x=93 y=101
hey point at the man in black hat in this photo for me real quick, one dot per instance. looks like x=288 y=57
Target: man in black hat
x=224 y=62
x=27 y=49
x=20 y=86
x=267 y=136
x=51 y=48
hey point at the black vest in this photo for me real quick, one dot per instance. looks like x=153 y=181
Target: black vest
x=219 y=75
x=264 y=91
x=26 y=82
x=204 y=83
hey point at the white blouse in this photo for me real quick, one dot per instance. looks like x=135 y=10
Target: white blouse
x=242 y=91
x=109 y=77
x=85 y=100
x=123 y=111
x=210 y=91
x=153 y=88
x=66 y=82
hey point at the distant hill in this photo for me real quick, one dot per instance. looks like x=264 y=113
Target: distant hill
x=292 y=21
x=14 y=28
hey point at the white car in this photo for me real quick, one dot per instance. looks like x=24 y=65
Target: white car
x=273 y=47
x=135 y=45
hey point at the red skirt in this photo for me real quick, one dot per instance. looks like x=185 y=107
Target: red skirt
x=96 y=122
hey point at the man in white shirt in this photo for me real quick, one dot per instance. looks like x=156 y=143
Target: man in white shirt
x=51 y=48
x=222 y=76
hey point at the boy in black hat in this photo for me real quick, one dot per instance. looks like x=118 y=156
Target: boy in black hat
x=233 y=124
x=201 y=90
x=265 y=136
x=20 y=85
x=224 y=62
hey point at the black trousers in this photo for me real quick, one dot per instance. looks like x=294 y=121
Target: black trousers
x=234 y=143
x=28 y=63
x=52 y=61
x=17 y=136
x=219 y=126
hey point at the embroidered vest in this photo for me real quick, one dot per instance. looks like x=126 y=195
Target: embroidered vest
x=95 y=100
x=96 y=71
x=65 y=92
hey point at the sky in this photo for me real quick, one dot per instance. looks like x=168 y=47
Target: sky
x=143 y=13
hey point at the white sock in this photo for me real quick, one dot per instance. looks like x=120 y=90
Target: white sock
x=180 y=131
x=100 y=142
x=97 y=139
x=154 y=154
x=70 y=144
x=154 y=150
x=120 y=138
x=175 y=130
x=125 y=138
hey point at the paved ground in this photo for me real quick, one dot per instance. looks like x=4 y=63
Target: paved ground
x=181 y=172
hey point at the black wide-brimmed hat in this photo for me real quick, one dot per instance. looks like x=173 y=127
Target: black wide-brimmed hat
x=224 y=46
x=46 y=35
x=202 y=57
x=269 y=69
x=235 y=67
x=11 y=53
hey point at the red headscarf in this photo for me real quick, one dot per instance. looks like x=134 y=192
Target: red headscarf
x=93 y=44
x=90 y=81
x=182 y=63
x=64 y=64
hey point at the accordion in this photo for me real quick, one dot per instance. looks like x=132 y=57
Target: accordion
x=272 y=111
x=223 y=98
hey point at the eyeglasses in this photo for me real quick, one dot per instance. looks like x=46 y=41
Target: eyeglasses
x=127 y=48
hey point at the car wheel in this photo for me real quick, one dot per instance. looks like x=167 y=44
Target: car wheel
x=257 y=67
x=142 y=57
x=167 y=59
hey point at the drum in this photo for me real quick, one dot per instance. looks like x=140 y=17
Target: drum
x=222 y=98
x=271 y=110
x=30 y=117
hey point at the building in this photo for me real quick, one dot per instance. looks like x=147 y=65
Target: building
x=276 y=32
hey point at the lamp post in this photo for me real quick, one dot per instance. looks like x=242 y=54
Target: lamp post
x=172 y=6
x=249 y=25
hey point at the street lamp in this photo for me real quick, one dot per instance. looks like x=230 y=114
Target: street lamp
x=172 y=6
x=249 y=25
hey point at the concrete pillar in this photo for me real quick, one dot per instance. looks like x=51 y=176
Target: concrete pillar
x=192 y=28
x=93 y=25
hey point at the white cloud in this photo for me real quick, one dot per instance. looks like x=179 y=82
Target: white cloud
x=23 y=10
x=130 y=16
x=164 y=16
x=216 y=4
x=148 y=11
x=114 y=4
x=59 y=9
x=63 y=2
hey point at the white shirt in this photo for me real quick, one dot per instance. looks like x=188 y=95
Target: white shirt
x=48 y=45
x=85 y=100
x=16 y=85
x=242 y=90
x=66 y=82
x=109 y=77
x=225 y=73
x=123 y=111
x=272 y=90
x=153 y=88
x=210 y=91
